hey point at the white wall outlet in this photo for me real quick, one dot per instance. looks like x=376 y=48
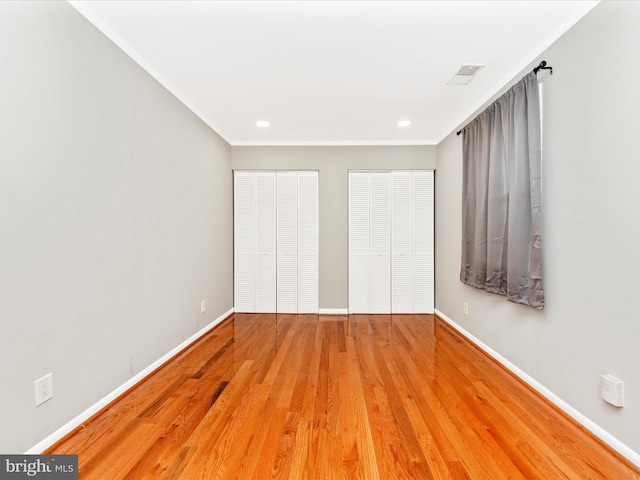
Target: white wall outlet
x=612 y=390
x=465 y=308
x=44 y=389
x=203 y=307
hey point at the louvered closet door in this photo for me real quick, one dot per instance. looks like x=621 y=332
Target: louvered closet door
x=402 y=242
x=276 y=241
x=358 y=242
x=423 y=242
x=307 y=242
x=254 y=241
x=379 y=244
x=244 y=241
x=287 y=242
x=265 y=207
x=391 y=242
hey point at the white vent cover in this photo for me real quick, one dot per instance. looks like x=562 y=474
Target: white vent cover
x=464 y=74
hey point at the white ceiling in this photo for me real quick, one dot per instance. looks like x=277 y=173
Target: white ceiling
x=332 y=72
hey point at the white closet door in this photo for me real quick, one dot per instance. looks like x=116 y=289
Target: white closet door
x=379 y=244
x=401 y=242
x=358 y=242
x=423 y=242
x=265 y=208
x=287 y=242
x=307 y=242
x=244 y=241
x=391 y=238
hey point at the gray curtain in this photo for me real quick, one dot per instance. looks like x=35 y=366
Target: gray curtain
x=501 y=202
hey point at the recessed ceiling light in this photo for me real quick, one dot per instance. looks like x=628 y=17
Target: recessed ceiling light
x=262 y=123
x=404 y=123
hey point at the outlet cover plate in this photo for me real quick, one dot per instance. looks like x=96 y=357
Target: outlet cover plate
x=612 y=390
x=44 y=389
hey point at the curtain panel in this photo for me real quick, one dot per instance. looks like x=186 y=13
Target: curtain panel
x=501 y=197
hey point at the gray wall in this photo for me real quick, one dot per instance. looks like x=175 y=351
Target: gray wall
x=115 y=218
x=333 y=165
x=590 y=324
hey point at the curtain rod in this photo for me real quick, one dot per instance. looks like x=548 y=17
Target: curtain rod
x=541 y=66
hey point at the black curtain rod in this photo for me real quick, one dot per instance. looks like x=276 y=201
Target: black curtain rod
x=541 y=66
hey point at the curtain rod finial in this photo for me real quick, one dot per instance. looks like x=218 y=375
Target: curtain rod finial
x=543 y=66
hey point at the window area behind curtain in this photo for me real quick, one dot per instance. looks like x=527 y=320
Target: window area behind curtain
x=501 y=197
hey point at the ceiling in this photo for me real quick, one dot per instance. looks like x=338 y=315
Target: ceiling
x=332 y=72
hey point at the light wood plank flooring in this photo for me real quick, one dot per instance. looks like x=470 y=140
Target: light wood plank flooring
x=354 y=397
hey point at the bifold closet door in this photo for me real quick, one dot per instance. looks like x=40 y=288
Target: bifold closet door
x=391 y=242
x=380 y=244
x=358 y=242
x=297 y=245
x=401 y=242
x=412 y=246
x=297 y=242
x=308 y=244
x=423 y=242
x=287 y=245
x=254 y=241
x=276 y=241
x=369 y=242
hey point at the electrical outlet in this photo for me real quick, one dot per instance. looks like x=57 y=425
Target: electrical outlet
x=44 y=389
x=465 y=308
x=612 y=390
x=203 y=307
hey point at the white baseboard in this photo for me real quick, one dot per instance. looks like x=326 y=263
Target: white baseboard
x=593 y=427
x=96 y=407
x=333 y=311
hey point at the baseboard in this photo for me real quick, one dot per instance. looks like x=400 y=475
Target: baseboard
x=100 y=404
x=333 y=311
x=581 y=419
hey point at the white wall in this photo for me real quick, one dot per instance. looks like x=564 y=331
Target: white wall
x=590 y=324
x=115 y=219
x=333 y=165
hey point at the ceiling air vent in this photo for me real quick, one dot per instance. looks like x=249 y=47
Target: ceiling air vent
x=464 y=74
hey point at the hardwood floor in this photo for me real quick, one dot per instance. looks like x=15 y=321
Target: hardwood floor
x=302 y=397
